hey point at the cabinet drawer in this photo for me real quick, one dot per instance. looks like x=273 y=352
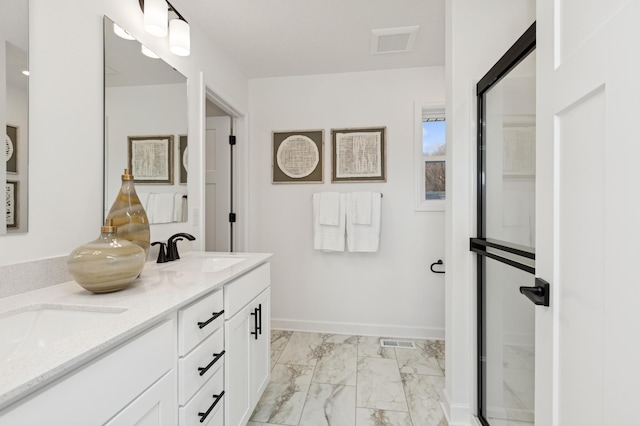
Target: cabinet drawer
x=202 y=402
x=195 y=322
x=202 y=356
x=241 y=291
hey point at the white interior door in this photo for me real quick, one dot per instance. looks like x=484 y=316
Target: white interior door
x=217 y=175
x=588 y=210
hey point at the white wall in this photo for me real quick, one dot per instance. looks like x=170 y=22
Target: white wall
x=65 y=158
x=391 y=292
x=477 y=35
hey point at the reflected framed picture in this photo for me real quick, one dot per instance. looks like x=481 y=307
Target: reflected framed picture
x=358 y=155
x=519 y=150
x=12 y=204
x=297 y=156
x=184 y=163
x=151 y=159
x=11 y=141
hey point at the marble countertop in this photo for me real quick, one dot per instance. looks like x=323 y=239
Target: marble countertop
x=155 y=294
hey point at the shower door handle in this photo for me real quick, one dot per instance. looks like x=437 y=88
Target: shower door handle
x=538 y=294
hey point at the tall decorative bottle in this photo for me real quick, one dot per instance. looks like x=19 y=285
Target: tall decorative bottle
x=128 y=215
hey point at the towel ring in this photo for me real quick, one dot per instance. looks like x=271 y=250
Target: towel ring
x=439 y=262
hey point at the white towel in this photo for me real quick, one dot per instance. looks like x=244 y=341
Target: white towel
x=329 y=208
x=177 y=207
x=328 y=237
x=364 y=238
x=185 y=209
x=160 y=207
x=360 y=208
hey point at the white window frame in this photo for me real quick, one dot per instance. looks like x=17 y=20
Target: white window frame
x=422 y=109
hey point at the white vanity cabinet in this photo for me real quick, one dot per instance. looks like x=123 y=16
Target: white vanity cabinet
x=202 y=359
x=247 y=331
x=201 y=352
x=134 y=384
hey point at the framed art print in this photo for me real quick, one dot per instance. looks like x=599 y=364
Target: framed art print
x=297 y=156
x=151 y=159
x=11 y=142
x=184 y=163
x=358 y=155
x=12 y=204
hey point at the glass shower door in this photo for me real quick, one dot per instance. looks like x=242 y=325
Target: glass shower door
x=506 y=238
x=509 y=354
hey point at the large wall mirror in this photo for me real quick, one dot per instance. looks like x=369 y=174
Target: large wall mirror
x=14 y=111
x=145 y=126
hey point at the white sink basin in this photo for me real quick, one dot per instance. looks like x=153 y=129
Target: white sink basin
x=36 y=327
x=205 y=264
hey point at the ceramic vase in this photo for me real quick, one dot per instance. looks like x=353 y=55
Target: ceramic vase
x=107 y=264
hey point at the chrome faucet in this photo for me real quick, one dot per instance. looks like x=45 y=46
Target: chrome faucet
x=172 y=245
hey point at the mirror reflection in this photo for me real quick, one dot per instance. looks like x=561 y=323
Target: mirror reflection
x=14 y=111
x=145 y=126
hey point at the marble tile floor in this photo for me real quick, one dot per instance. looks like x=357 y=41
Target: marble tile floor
x=337 y=380
x=514 y=405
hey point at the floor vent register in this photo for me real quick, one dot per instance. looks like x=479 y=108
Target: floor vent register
x=392 y=343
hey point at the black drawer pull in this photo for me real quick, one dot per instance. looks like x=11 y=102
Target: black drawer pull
x=204 y=415
x=215 y=315
x=260 y=318
x=203 y=370
x=256 y=327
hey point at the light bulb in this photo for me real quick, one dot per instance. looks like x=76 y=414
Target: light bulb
x=156 y=15
x=179 y=37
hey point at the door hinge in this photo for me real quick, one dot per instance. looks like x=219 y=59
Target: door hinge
x=232 y=218
x=232 y=140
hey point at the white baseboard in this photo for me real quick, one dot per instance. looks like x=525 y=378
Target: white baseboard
x=456 y=414
x=377 y=330
x=475 y=421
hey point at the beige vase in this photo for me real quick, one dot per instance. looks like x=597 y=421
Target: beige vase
x=107 y=264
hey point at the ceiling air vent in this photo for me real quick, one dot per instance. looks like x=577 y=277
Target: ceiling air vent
x=393 y=40
x=392 y=343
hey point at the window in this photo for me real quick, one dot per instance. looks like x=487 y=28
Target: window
x=431 y=149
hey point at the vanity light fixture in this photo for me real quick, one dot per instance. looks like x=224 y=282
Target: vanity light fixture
x=156 y=20
x=148 y=52
x=26 y=72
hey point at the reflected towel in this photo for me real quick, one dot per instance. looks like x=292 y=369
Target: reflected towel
x=177 y=207
x=160 y=207
x=328 y=237
x=364 y=238
x=144 y=200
